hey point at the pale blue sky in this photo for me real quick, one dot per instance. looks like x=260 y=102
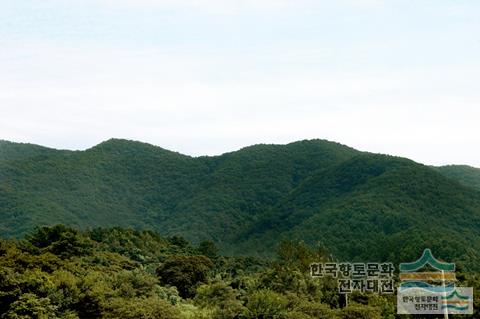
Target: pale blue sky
x=210 y=76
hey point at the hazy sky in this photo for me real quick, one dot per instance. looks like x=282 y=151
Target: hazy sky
x=210 y=76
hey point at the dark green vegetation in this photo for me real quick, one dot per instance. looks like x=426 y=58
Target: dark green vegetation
x=359 y=206
x=466 y=175
x=59 y=272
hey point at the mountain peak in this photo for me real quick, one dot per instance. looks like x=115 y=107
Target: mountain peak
x=119 y=143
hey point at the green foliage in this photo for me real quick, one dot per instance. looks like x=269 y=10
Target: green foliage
x=185 y=273
x=315 y=310
x=214 y=293
x=30 y=306
x=359 y=312
x=59 y=240
x=296 y=315
x=140 y=308
x=465 y=175
x=132 y=184
x=360 y=206
x=298 y=255
x=266 y=304
x=349 y=205
x=221 y=298
x=60 y=272
x=108 y=283
x=208 y=248
x=376 y=208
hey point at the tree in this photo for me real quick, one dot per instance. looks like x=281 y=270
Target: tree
x=218 y=295
x=208 y=248
x=360 y=312
x=59 y=240
x=185 y=273
x=266 y=304
x=30 y=306
x=140 y=308
x=299 y=255
x=315 y=310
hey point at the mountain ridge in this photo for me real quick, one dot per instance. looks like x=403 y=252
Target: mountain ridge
x=247 y=200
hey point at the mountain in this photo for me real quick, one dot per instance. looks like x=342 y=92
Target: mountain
x=359 y=206
x=15 y=151
x=466 y=175
x=376 y=207
x=127 y=183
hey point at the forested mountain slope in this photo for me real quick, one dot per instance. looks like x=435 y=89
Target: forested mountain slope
x=128 y=183
x=466 y=175
x=359 y=206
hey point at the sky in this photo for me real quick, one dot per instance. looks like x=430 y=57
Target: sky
x=204 y=77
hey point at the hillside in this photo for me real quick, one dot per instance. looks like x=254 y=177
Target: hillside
x=128 y=183
x=466 y=175
x=15 y=151
x=375 y=207
x=360 y=206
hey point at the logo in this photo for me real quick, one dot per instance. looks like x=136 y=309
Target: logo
x=432 y=291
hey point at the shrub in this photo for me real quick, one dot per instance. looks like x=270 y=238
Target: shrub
x=266 y=304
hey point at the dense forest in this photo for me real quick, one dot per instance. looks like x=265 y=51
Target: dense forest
x=466 y=175
x=360 y=206
x=59 y=272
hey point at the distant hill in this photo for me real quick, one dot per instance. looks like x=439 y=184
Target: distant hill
x=127 y=183
x=15 y=151
x=360 y=206
x=376 y=207
x=466 y=175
